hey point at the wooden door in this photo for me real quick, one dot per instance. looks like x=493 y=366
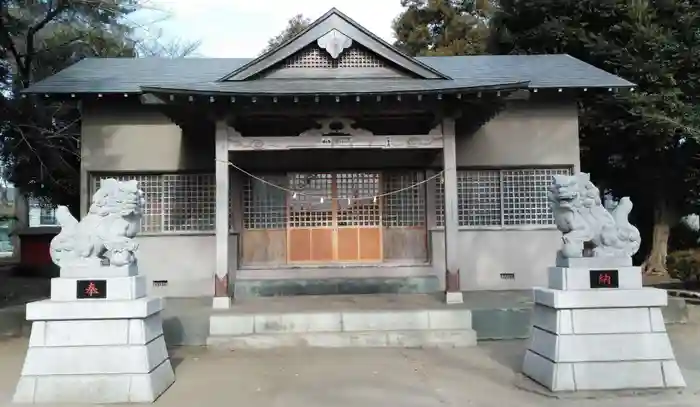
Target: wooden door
x=342 y=229
x=310 y=225
x=358 y=221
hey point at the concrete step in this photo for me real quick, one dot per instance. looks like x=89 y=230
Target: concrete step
x=366 y=328
x=367 y=339
x=232 y=323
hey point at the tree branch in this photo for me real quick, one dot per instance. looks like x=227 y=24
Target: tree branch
x=9 y=43
x=62 y=5
x=26 y=71
x=63 y=44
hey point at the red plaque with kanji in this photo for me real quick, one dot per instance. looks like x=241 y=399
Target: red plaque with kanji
x=91 y=289
x=604 y=279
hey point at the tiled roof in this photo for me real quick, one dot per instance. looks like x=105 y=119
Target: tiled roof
x=127 y=75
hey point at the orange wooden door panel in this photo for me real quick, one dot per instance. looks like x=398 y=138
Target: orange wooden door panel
x=331 y=231
x=348 y=246
x=370 y=242
x=299 y=245
x=321 y=245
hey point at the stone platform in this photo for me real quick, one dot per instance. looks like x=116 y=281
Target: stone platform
x=342 y=322
x=95 y=350
x=591 y=337
x=496 y=315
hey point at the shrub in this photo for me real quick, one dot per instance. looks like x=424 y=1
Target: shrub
x=684 y=265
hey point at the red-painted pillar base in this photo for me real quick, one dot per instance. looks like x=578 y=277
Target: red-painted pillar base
x=222 y=298
x=453 y=291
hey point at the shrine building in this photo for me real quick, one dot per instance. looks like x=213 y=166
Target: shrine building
x=335 y=164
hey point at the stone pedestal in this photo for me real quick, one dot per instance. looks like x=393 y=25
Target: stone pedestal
x=597 y=328
x=95 y=350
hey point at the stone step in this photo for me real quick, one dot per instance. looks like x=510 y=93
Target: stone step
x=343 y=328
x=367 y=339
x=236 y=324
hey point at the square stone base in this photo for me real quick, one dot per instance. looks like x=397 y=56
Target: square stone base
x=588 y=339
x=221 y=302
x=591 y=376
x=454 y=298
x=96 y=388
x=95 y=351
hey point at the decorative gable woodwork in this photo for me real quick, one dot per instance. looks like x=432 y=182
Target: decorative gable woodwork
x=334 y=42
x=314 y=61
x=315 y=57
x=334 y=46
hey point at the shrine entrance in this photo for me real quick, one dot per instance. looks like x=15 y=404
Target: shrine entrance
x=330 y=218
x=335 y=217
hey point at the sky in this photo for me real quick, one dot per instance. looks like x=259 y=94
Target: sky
x=241 y=28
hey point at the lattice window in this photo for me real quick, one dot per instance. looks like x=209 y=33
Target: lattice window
x=189 y=202
x=439 y=200
x=500 y=198
x=311 y=207
x=232 y=184
x=479 y=198
x=525 y=196
x=264 y=206
x=407 y=207
x=353 y=211
x=47 y=215
x=315 y=57
x=152 y=187
x=356 y=57
x=174 y=202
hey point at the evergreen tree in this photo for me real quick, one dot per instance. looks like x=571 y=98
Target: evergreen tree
x=641 y=144
x=443 y=27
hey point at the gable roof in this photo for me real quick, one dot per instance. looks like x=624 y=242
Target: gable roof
x=336 y=21
x=332 y=33
x=128 y=75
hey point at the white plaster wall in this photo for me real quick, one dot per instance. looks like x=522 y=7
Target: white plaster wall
x=524 y=134
x=485 y=254
x=187 y=262
x=128 y=137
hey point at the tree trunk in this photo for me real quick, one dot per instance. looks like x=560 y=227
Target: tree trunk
x=655 y=263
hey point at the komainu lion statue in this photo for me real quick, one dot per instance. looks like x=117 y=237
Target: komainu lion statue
x=579 y=214
x=105 y=235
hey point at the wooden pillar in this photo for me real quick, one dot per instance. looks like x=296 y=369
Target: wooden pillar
x=453 y=292
x=222 y=299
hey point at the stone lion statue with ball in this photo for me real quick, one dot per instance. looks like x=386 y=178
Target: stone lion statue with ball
x=591 y=230
x=106 y=234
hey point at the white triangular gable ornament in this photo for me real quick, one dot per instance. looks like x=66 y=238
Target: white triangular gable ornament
x=334 y=42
